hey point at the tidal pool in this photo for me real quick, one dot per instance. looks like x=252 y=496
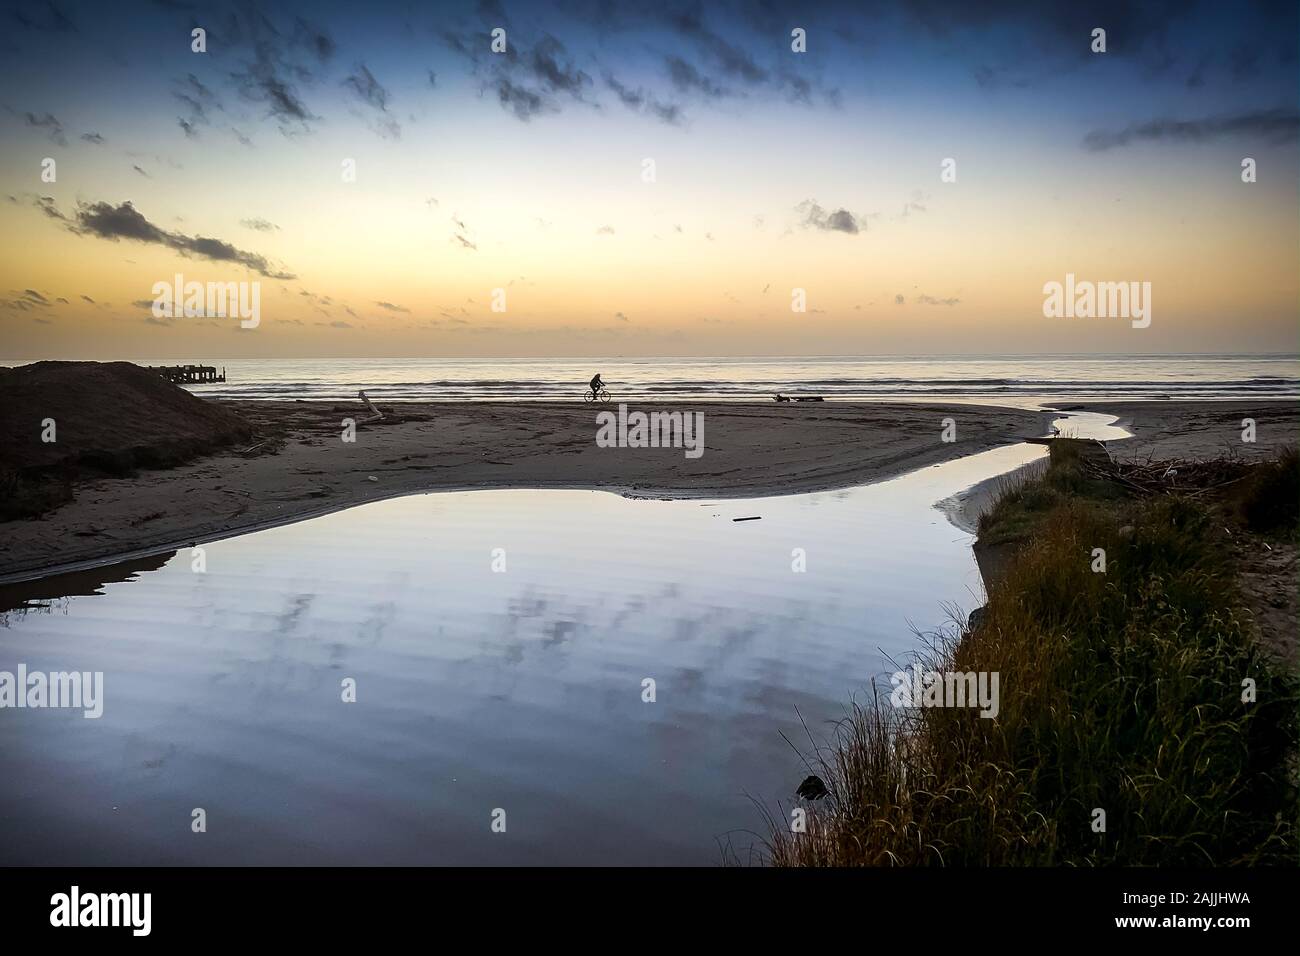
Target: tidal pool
x=499 y=642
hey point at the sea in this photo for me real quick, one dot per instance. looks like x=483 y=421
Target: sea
x=1013 y=380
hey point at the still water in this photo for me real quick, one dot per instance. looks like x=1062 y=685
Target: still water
x=476 y=689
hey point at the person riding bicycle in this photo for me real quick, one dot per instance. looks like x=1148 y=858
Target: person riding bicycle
x=596 y=385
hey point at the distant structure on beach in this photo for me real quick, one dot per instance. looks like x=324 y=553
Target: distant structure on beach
x=189 y=374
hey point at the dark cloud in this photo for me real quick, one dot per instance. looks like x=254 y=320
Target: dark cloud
x=390 y=307
x=314 y=39
x=527 y=82
x=639 y=100
x=687 y=79
x=93 y=138
x=364 y=84
x=141 y=172
x=271 y=76
x=106 y=221
x=548 y=64
x=25 y=300
x=734 y=61
x=1277 y=126
x=88 y=299
x=197 y=97
x=49 y=123
x=813 y=216
x=523 y=102
x=1128 y=25
x=117 y=222
x=371 y=92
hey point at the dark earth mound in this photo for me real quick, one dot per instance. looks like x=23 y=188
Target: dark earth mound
x=108 y=418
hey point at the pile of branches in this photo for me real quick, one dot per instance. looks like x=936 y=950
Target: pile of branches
x=1175 y=476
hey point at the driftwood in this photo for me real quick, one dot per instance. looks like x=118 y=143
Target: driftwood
x=375 y=414
x=1179 y=476
x=778 y=397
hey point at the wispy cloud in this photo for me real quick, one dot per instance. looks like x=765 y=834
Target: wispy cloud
x=639 y=100
x=1277 y=126
x=49 y=124
x=526 y=81
x=371 y=92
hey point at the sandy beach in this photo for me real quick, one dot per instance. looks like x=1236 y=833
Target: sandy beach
x=301 y=467
x=1201 y=430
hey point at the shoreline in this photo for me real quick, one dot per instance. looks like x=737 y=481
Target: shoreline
x=752 y=450
x=300 y=467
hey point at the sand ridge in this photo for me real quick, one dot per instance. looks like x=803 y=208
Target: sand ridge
x=304 y=468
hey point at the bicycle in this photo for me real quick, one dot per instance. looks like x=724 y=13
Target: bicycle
x=601 y=396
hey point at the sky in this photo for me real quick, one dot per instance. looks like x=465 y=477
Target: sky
x=646 y=178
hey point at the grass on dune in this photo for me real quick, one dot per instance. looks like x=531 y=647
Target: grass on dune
x=1120 y=691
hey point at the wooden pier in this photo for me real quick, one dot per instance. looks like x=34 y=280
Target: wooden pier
x=190 y=374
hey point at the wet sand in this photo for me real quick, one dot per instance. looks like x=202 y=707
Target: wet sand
x=1201 y=430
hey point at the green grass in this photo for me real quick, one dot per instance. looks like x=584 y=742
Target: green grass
x=1119 y=690
x=1021 y=509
